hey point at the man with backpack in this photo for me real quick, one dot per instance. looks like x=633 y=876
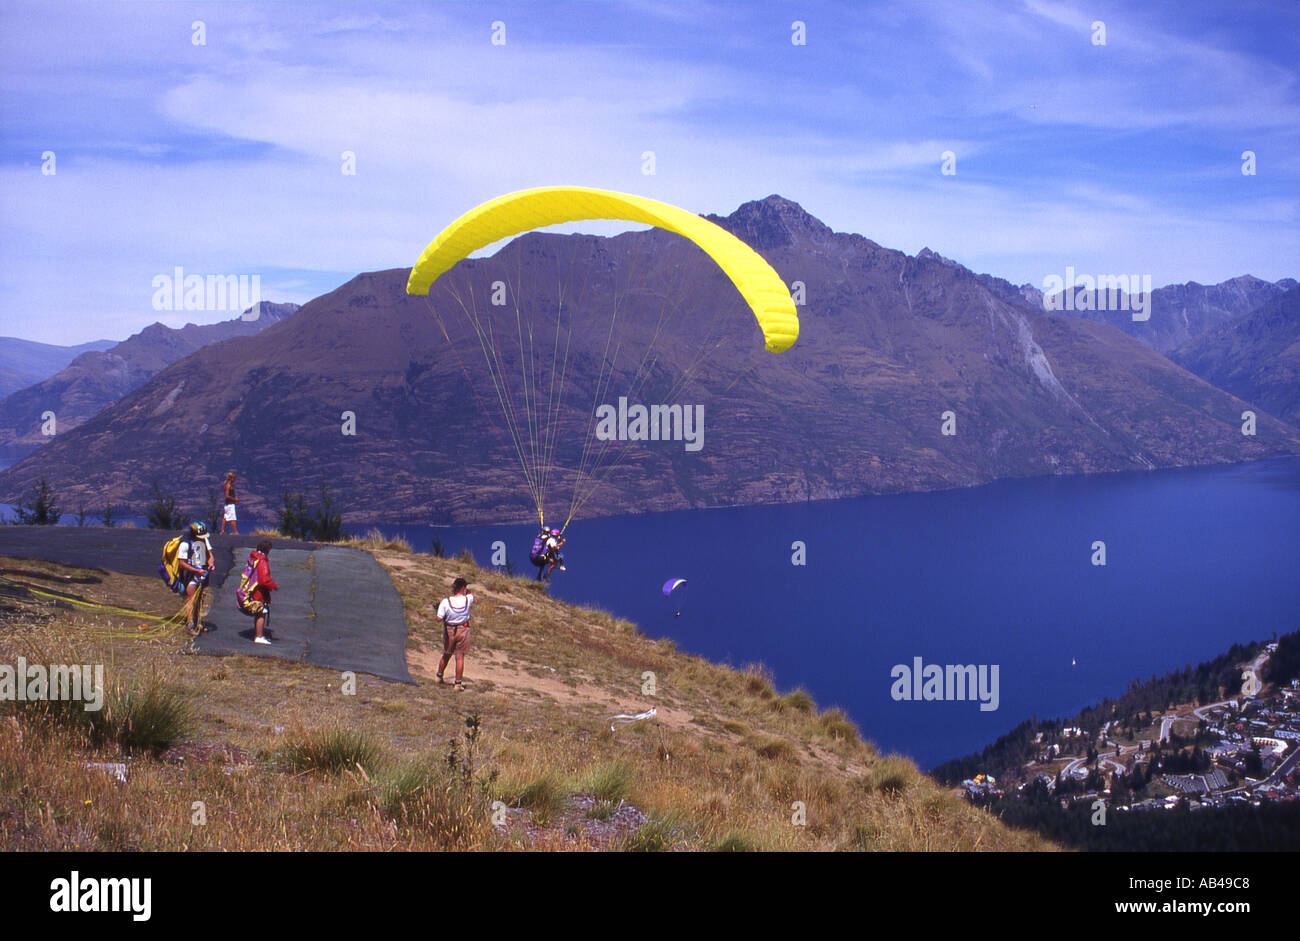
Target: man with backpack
x=193 y=563
x=254 y=593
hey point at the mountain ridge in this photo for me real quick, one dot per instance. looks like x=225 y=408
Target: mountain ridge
x=1256 y=357
x=889 y=344
x=97 y=378
x=26 y=362
x=1178 y=313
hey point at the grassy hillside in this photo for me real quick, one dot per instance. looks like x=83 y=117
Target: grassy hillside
x=244 y=753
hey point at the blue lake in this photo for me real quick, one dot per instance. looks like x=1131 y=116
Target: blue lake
x=1196 y=560
x=1003 y=574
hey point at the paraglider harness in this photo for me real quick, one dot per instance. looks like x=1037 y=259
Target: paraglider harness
x=246 y=594
x=169 y=570
x=539 y=554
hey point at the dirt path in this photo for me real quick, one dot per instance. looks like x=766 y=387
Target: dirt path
x=495 y=666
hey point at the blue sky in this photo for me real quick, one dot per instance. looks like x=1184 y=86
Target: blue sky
x=225 y=158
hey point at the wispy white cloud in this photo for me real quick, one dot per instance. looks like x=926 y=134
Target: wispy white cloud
x=228 y=157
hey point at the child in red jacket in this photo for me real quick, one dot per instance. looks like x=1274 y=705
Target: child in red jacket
x=265 y=585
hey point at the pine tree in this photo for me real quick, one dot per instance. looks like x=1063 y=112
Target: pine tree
x=40 y=508
x=162 y=512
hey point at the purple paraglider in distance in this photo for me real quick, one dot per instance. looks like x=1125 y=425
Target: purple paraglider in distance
x=671 y=584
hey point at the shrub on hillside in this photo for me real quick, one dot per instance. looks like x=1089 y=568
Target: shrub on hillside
x=320 y=523
x=332 y=750
x=162 y=512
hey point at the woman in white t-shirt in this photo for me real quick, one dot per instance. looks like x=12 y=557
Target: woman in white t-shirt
x=453 y=612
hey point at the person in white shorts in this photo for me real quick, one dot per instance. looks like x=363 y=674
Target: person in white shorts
x=229 y=515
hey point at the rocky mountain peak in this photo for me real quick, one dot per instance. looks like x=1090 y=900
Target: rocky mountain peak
x=926 y=254
x=773 y=222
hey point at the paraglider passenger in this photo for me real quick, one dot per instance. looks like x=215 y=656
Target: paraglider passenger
x=554 y=540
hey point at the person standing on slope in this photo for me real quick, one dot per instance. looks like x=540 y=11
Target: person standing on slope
x=265 y=585
x=453 y=612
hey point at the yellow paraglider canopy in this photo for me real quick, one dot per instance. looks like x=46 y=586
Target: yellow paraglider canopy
x=514 y=213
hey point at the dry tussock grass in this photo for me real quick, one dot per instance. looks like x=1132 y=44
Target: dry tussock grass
x=730 y=764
